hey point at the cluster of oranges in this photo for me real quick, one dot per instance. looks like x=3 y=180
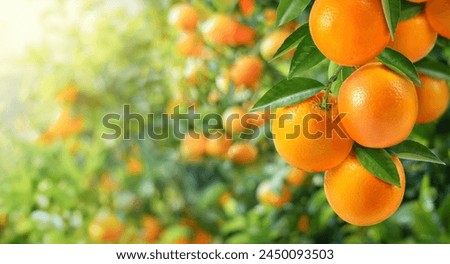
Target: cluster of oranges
x=376 y=107
x=108 y=228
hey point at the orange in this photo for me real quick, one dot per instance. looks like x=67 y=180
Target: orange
x=272 y=42
x=417 y=1
x=296 y=177
x=268 y=196
x=195 y=73
x=270 y=16
x=309 y=137
x=68 y=95
x=358 y=197
x=202 y=237
x=183 y=16
x=152 y=228
x=303 y=224
x=107 y=183
x=224 y=198
x=438 y=15
x=106 y=228
x=247 y=7
x=247 y=72
x=65 y=126
x=243 y=153
x=190 y=45
x=380 y=106
x=221 y=29
x=134 y=166
x=414 y=38
x=193 y=146
x=349 y=32
x=433 y=99
x=232 y=120
x=217 y=145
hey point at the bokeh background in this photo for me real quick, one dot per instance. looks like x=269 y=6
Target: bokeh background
x=66 y=64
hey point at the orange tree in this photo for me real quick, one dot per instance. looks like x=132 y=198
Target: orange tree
x=253 y=174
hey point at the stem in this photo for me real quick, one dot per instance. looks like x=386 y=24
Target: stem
x=331 y=80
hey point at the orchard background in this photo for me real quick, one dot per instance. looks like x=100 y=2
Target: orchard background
x=61 y=182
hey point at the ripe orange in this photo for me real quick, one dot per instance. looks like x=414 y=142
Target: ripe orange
x=190 y=45
x=296 y=177
x=107 y=183
x=270 y=16
x=358 y=197
x=340 y=30
x=201 y=237
x=183 y=16
x=414 y=38
x=217 y=145
x=152 y=228
x=417 y=1
x=193 y=146
x=68 y=95
x=247 y=7
x=438 y=15
x=309 y=137
x=272 y=42
x=65 y=126
x=106 y=228
x=232 y=120
x=195 y=73
x=247 y=72
x=380 y=106
x=433 y=99
x=303 y=224
x=268 y=196
x=243 y=153
x=221 y=29
x=134 y=166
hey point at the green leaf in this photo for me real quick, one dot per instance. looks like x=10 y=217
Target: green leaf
x=379 y=163
x=412 y=150
x=305 y=57
x=292 y=41
x=343 y=74
x=400 y=64
x=410 y=10
x=391 y=9
x=433 y=68
x=288 y=10
x=288 y=92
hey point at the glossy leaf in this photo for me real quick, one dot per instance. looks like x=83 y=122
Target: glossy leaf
x=392 y=10
x=400 y=64
x=288 y=10
x=433 y=68
x=412 y=150
x=409 y=10
x=305 y=57
x=379 y=163
x=292 y=41
x=289 y=92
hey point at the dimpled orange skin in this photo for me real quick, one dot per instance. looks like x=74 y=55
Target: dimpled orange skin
x=247 y=71
x=438 y=15
x=433 y=99
x=184 y=17
x=242 y=153
x=340 y=29
x=358 y=197
x=380 y=106
x=414 y=38
x=322 y=151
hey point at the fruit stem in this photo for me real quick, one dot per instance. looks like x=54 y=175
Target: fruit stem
x=331 y=80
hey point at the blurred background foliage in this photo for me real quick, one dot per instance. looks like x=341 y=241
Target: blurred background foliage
x=65 y=188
